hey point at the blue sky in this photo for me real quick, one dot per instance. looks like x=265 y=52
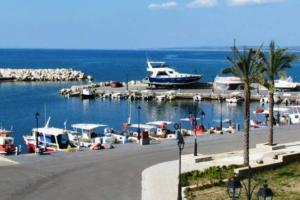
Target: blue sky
x=131 y=24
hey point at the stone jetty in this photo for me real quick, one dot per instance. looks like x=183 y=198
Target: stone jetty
x=58 y=74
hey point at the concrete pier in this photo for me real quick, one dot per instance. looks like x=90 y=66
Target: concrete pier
x=140 y=91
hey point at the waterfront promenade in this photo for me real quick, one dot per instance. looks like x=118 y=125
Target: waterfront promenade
x=110 y=174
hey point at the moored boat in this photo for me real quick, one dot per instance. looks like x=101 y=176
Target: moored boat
x=234 y=100
x=163 y=75
x=286 y=84
x=6 y=142
x=47 y=139
x=228 y=82
x=87 y=94
x=88 y=136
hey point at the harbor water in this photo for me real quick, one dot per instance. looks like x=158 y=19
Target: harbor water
x=21 y=100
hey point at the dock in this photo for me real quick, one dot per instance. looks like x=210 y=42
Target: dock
x=204 y=91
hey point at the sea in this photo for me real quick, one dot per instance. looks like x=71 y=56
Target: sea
x=20 y=101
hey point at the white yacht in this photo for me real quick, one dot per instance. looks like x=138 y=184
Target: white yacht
x=163 y=75
x=228 y=82
x=286 y=84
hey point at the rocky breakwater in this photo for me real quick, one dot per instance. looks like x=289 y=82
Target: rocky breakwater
x=59 y=74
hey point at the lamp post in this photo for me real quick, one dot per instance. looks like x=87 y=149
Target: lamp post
x=180 y=144
x=194 y=125
x=221 y=115
x=278 y=114
x=127 y=82
x=139 y=121
x=36 y=132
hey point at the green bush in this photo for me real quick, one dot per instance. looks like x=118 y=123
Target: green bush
x=211 y=175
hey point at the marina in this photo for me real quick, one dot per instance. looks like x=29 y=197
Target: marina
x=110 y=102
x=150 y=100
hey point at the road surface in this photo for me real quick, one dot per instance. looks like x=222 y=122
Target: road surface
x=109 y=174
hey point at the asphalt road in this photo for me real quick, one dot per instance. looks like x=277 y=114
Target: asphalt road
x=109 y=174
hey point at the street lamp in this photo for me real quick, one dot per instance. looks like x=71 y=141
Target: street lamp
x=180 y=144
x=265 y=193
x=194 y=125
x=278 y=114
x=139 y=121
x=234 y=188
x=36 y=132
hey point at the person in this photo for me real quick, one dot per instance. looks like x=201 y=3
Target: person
x=267 y=119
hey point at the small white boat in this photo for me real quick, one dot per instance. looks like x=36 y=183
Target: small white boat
x=162 y=130
x=294 y=114
x=88 y=135
x=265 y=99
x=47 y=139
x=234 y=100
x=87 y=94
x=6 y=142
x=119 y=96
x=257 y=124
x=144 y=129
x=160 y=98
x=197 y=98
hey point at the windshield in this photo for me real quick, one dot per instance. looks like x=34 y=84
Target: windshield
x=63 y=141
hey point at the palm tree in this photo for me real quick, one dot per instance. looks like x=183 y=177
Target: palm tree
x=274 y=65
x=246 y=66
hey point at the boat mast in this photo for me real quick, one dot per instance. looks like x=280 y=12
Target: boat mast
x=129 y=117
x=45 y=113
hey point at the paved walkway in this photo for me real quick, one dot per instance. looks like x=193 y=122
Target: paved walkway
x=159 y=182
x=109 y=174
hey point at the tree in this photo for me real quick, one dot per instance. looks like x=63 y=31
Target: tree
x=274 y=65
x=246 y=66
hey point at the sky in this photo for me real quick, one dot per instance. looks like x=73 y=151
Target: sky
x=138 y=24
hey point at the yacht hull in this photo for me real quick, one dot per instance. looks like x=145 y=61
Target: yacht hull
x=173 y=81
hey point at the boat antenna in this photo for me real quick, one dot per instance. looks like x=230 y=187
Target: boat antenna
x=65 y=124
x=45 y=112
x=234 y=40
x=146 y=54
x=129 y=117
x=48 y=121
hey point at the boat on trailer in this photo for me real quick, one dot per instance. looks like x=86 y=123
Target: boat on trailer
x=163 y=75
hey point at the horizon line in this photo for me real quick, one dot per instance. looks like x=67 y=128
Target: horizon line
x=140 y=49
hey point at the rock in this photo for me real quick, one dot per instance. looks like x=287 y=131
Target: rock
x=59 y=74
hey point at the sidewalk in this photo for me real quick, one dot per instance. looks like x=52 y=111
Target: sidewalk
x=159 y=182
x=6 y=162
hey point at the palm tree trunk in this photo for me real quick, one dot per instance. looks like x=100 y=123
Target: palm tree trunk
x=246 y=123
x=271 y=117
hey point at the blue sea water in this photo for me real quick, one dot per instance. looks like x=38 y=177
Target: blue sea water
x=20 y=101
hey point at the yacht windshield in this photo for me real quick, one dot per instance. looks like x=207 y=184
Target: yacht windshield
x=162 y=74
x=159 y=65
x=63 y=141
